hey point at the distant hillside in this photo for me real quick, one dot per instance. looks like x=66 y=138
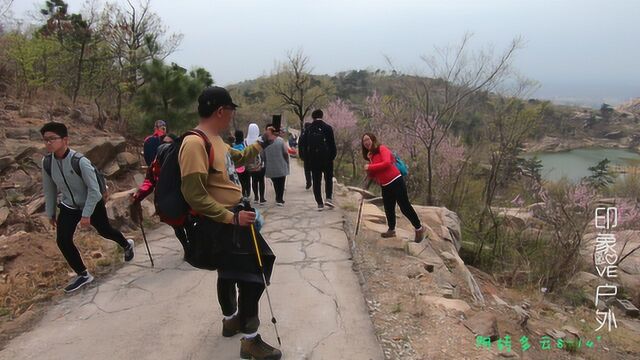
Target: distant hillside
x=571 y=126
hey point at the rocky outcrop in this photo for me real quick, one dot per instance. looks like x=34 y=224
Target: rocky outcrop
x=103 y=150
x=439 y=252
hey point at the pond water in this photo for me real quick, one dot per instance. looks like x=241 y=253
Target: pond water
x=574 y=164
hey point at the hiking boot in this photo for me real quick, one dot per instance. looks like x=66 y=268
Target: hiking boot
x=232 y=326
x=420 y=234
x=388 y=234
x=257 y=349
x=128 y=252
x=329 y=203
x=78 y=282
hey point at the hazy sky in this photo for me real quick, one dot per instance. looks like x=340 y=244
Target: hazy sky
x=582 y=49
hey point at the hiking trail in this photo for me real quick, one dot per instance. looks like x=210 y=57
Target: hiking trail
x=171 y=311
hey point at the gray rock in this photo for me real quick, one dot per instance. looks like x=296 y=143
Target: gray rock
x=16 y=133
x=5 y=162
x=14 y=196
x=4 y=214
x=12 y=106
x=484 y=324
x=103 y=150
x=127 y=160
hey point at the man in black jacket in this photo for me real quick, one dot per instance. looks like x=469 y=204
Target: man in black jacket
x=307 y=169
x=319 y=148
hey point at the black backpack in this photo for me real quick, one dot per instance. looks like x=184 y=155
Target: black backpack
x=169 y=201
x=316 y=143
x=75 y=165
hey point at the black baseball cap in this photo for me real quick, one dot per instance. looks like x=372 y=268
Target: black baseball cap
x=212 y=98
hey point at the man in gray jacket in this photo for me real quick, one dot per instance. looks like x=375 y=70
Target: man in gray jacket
x=67 y=172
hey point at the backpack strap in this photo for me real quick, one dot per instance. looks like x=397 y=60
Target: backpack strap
x=46 y=163
x=75 y=163
x=207 y=144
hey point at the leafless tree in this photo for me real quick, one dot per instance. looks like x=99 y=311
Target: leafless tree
x=298 y=90
x=428 y=109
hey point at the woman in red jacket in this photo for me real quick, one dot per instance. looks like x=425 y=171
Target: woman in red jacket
x=382 y=168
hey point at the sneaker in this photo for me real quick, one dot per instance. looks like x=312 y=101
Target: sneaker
x=420 y=234
x=281 y=204
x=320 y=207
x=257 y=349
x=389 y=234
x=307 y=187
x=255 y=200
x=231 y=327
x=128 y=252
x=329 y=203
x=78 y=282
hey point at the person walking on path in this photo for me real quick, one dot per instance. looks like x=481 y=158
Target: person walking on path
x=256 y=168
x=70 y=173
x=243 y=174
x=307 y=164
x=153 y=141
x=383 y=170
x=212 y=189
x=320 y=151
x=277 y=167
x=148 y=186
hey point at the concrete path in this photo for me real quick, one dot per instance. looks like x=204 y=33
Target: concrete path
x=171 y=311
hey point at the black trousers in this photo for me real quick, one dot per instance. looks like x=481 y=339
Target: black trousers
x=307 y=173
x=396 y=193
x=278 y=186
x=243 y=296
x=67 y=222
x=245 y=182
x=257 y=183
x=317 y=172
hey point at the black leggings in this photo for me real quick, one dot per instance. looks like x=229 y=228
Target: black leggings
x=257 y=183
x=318 y=172
x=245 y=299
x=396 y=193
x=278 y=186
x=68 y=220
x=245 y=182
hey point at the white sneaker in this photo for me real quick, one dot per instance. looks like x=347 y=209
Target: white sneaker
x=329 y=203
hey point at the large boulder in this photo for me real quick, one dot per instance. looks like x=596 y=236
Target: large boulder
x=127 y=160
x=444 y=222
x=103 y=150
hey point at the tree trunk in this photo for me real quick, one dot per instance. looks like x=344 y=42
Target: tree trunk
x=429 y=179
x=76 y=90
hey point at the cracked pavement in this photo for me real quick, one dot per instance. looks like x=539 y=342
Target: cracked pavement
x=171 y=311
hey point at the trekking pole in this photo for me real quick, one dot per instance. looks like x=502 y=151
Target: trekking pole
x=144 y=237
x=359 y=215
x=264 y=279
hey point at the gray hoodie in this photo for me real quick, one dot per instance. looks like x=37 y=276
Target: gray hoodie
x=78 y=192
